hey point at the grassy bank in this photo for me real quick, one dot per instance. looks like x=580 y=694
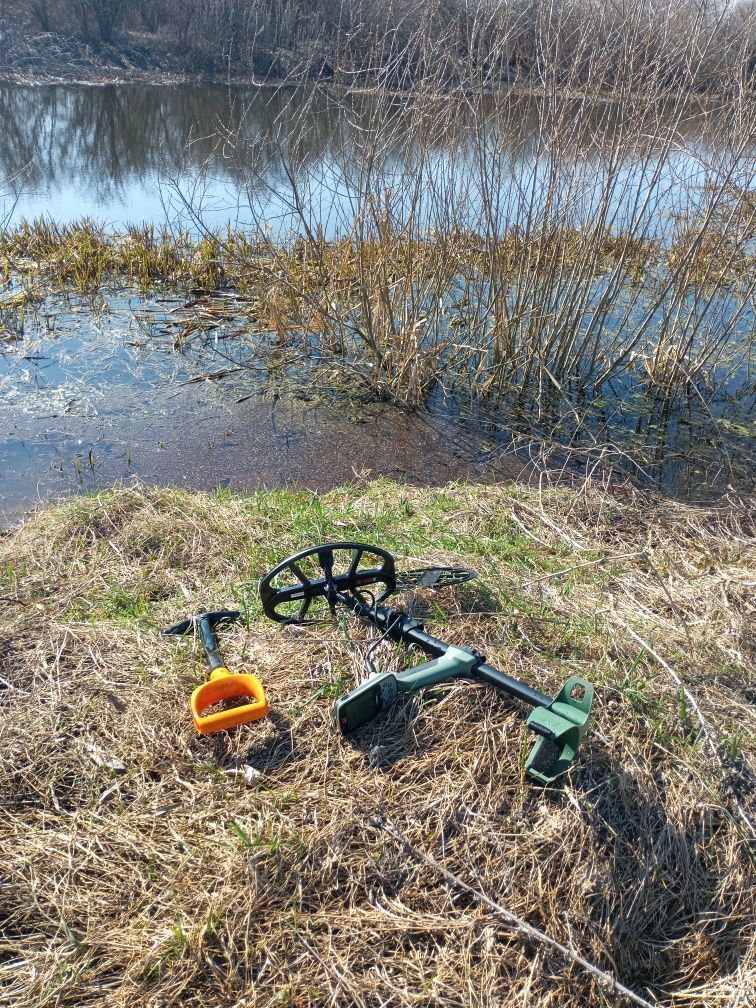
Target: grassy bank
x=146 y=866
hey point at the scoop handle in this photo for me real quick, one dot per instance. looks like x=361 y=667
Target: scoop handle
x=210 y=643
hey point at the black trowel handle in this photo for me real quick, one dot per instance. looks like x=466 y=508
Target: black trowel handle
x=207 y=623
x=209 y=643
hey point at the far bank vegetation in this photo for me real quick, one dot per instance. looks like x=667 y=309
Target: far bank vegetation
x=692 y=43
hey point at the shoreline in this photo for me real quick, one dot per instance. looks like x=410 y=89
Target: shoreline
x=158 y=75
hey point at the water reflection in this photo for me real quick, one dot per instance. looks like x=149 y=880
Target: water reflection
x=126 y=154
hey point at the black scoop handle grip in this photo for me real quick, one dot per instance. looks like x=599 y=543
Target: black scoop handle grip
x=210 y=643
x=206 y=623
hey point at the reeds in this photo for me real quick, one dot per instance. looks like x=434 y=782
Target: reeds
x=543 y=231
x=527 y=236
x=83 y=256
x=510 y=312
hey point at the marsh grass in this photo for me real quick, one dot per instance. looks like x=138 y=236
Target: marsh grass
x=403 y=314
x=84 y=256
x=145 y=865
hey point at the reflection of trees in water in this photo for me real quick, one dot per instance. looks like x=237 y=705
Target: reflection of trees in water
x=105 y=136
x=466 y=156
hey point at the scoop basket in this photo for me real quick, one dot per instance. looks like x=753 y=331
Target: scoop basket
x=224 y=686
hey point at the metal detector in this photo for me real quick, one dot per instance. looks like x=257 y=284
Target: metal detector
x=308 y=586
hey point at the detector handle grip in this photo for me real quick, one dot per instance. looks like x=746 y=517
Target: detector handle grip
x=377 y=694
x=560 y=727
x=455 y=663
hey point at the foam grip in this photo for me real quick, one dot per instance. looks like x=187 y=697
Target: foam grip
x=225 y=685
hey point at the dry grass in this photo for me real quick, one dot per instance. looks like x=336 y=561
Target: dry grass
x=139 y=868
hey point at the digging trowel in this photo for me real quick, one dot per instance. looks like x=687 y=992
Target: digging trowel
x=223 y=686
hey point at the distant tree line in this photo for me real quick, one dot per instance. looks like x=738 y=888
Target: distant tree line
x=399 y=42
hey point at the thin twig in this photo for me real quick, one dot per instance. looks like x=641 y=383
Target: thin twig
x=706 y=730
x=589 y=563
x=516 y=922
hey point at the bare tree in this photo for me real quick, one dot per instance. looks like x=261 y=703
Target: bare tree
x=42 y=14
x=98 y=19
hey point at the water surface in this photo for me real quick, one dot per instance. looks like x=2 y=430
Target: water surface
x=96 y=391
x=107 y=389
x=262 y=158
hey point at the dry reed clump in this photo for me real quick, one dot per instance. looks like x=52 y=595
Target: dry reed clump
x=401 y=311
x=144 y=865
x=85 y=255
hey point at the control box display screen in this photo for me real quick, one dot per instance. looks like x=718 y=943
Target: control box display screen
x=362 y=704
x=358 y=708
